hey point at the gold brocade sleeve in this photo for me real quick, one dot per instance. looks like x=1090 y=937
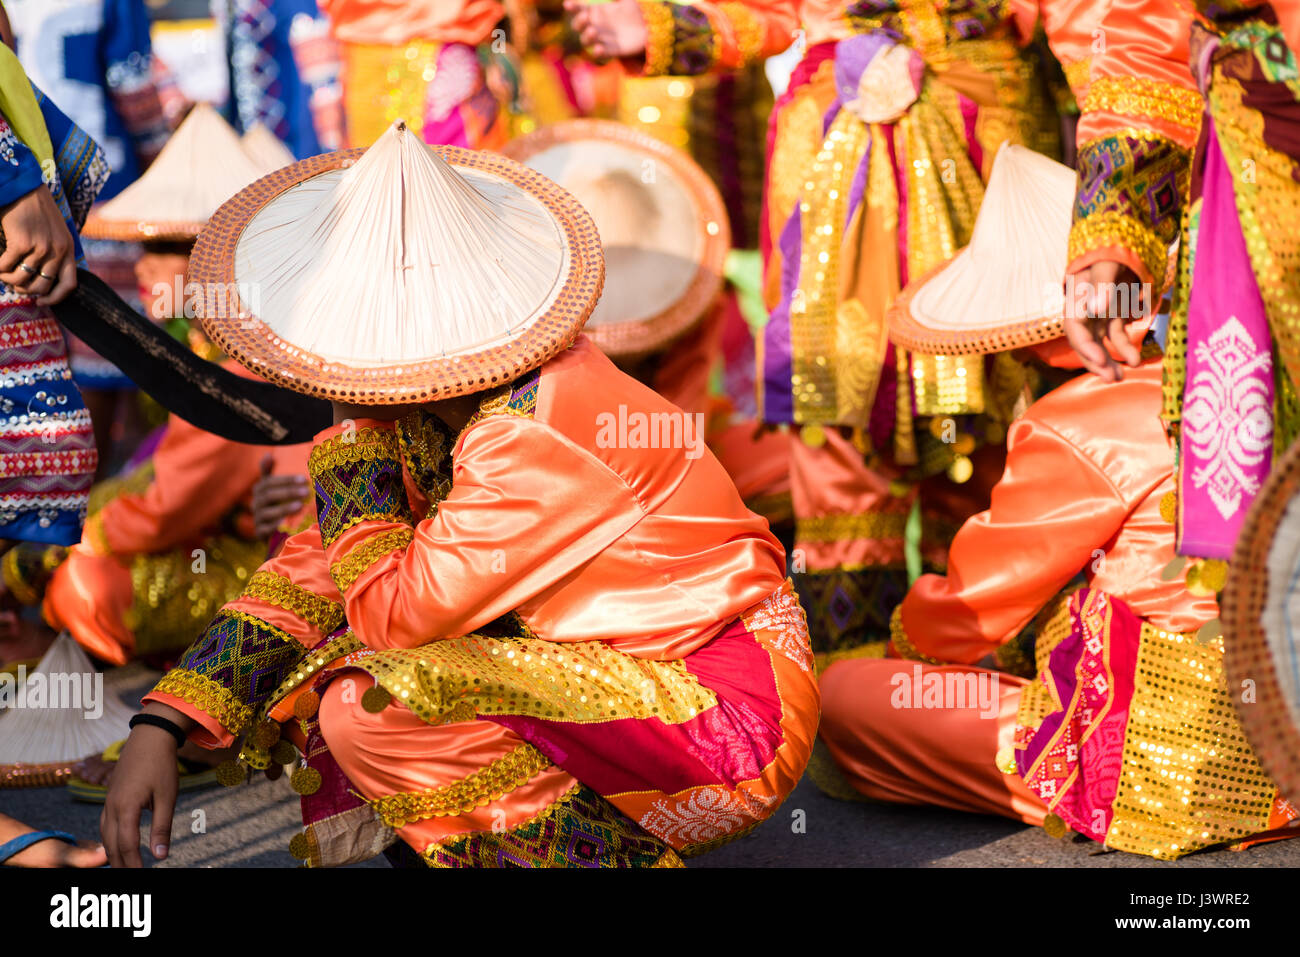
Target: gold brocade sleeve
x=690 y=39
x=1139 y=120
x=525 y=508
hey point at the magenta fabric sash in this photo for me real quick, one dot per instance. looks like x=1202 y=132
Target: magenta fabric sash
x=1226 y=445
x=1073 y=759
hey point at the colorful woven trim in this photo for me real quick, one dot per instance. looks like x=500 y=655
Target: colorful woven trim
x=240 y=660
x=680 y=40
x=519 y=398
x=358 y=478
x=274 y=589
x=1131 y=193
x=346 y=571
x=581 y=829
x=489 y=784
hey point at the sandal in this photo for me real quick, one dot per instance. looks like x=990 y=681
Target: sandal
x=14 y=847
x=193 y=775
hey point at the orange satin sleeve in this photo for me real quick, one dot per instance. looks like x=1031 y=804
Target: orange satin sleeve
x=400 y=21
x=1052 y=507
x=526 y=508
x=1141 y=75
x=198 y=479
x=737 y=34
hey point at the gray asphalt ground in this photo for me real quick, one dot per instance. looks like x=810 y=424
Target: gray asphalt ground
x=251 y=826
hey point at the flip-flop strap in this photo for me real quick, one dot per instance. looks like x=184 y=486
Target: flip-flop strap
x=23 y=841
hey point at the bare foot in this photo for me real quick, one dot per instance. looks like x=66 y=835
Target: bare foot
x=51 y=852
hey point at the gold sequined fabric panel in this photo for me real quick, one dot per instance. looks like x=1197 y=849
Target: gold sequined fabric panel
x=573 y=681
x=177 y=593
x=814 y=311
x=383 y=84
x=1189 y=778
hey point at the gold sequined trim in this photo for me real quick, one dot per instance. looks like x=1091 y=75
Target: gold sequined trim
x=267 y=586
x=1136 y=96
x=346 y=571
x=902 y=644
x=484 y=786
x=93 y=532
x=364 y=445
x=581 y=681
x=209 y=697
x=749 y=32
x=658 y=18
x=828 y=529
x=1116 y=229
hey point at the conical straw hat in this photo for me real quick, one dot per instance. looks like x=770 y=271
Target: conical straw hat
x=1261 y=624
x=1004 y=290
x=202 y=165
x=401 y=273
x=662 y=223
x=265 y=149
x=39 y=745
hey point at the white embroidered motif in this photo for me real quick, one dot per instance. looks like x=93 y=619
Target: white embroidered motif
x=782 y=617
x=705 y=815
x=1227 y=416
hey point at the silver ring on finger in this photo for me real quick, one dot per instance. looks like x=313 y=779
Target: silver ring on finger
x=28 y=269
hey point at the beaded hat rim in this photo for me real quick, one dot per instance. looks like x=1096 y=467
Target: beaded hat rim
x=1247 y=655
x=640 y=337
x=245 y=337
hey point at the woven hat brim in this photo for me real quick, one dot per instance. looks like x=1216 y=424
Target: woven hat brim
x=650 y=334
x=230 y=324
x=907 y=332
x=1268 y=721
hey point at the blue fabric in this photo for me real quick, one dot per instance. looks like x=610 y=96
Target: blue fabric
x=19 y=171
x=23 y=841
x=267 y=86
x=113 y=51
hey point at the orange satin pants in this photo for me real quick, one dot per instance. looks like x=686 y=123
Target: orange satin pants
x=944 y=756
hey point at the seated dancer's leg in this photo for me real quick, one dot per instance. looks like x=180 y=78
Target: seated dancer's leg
x=478 y=791
x=944 y=756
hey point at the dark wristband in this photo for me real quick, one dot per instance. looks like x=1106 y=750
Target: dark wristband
x=157 y=721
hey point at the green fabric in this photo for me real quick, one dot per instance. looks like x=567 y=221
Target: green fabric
x=744 y=270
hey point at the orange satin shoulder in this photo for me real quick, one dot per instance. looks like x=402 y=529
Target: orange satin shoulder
x=1086 y=469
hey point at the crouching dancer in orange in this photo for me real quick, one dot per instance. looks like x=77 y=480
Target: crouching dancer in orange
x=1066 y=671
x=517 y=636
